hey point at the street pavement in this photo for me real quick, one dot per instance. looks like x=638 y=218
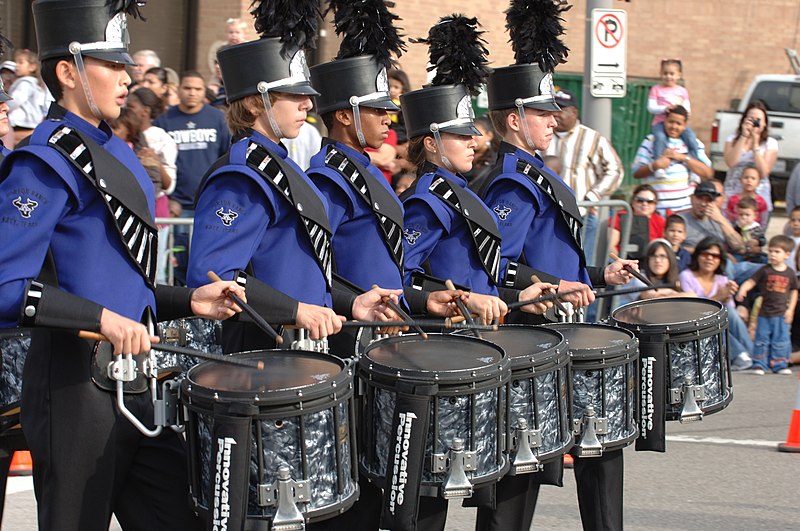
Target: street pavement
x=721 y=473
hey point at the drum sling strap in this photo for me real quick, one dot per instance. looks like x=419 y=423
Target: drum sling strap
x=297 y=192
x=385 y=207
x=410 y=422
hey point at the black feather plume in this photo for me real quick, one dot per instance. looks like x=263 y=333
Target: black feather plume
x=457 y=53
x=535 y=27
x=295 y=22
x=367 y=28
x=129 y=7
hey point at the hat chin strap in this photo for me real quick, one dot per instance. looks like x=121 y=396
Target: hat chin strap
x=440 y=146
x=354 y=104
x=75 y=50
x=525 y=130
x=263 y=89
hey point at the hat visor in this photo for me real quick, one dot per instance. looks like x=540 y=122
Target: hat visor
x=544 y=105
x=4 y=97
x=119 y=56
x=304 y=89
x=712 y=195
x=382 y=103
x=464 y=129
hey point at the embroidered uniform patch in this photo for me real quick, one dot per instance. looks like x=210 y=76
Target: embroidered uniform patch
x=411 y=235
x=26 y=208
x=502 y=212
x=226 y=217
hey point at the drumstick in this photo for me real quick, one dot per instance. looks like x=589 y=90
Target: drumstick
x=403 y=315
x=432 y=323
x=631 y=270
x=254 y=315
x=556 y=302
x=175 y=349
x=597 y=294
x=462 y=307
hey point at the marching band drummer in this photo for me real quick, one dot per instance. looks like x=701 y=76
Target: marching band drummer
x=449 y=233
x=78 y=251
x=538 y=219
x=259 y=219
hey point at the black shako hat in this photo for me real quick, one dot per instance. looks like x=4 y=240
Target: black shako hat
x=352 y=81
x=534 y=27
x=93 y=28
x=261 y=66
x=445 y=108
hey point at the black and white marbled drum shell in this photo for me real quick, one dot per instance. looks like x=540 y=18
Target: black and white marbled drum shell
x=14 y=348
x=684 y=368
x=281 y=445
x=194 y=332
x=546 y=409
x=454 y=422
x=616 y=405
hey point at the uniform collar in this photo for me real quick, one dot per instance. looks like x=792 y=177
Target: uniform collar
x=430 y=167
x=521 y=154
x=276 y=148
x=360 y=157
x=100 y=134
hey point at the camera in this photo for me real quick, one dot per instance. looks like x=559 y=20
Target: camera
x=756 y=122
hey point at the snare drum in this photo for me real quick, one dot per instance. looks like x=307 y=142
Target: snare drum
x=192 y=332
x=280 y=438
x=538 y=410
x=14 y=344
x=464 y=445
x=686 y=341
x=604 y=379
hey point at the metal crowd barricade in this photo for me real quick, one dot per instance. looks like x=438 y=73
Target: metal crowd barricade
x=171 y=223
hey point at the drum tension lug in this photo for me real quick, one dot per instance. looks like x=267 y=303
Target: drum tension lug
x=286 y=494
x=589 y=427
x=690 y=395
x=524 y=440
x=455 y=463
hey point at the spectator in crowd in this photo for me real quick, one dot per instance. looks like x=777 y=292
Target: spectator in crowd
x=675 y=234
x=749 y=184
x=793 y=189
x=399 y=85
x=589 y=164
x=235 y=33
x=674 y=171
x=145 y=60
x=304 y=146
x=201 y=134
x=127 y=126
x=705 y=219
x=8 y=73
x=706 y=278
x=156 y=80
x=664 y=97
x=30 y=98
x=751 y=231
x=485 y=153
x=777 y=284
x=794 y=233
x=750 y=145
x=660 y=266
x=148 y=106
x=647 y=225
x=402 y=181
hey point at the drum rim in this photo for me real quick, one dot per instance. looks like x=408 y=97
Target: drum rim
x=626 y=351
x=677 y=327
x=371 y=368
x=336 y=387
x=524 y=361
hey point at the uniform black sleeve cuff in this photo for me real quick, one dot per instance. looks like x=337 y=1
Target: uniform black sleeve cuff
x=597 y=275
x=417 y=300
x=173 y=302
x=423 y=282
x=508 y=295
x=518 y=276
x=274 y=306
x=45 y=305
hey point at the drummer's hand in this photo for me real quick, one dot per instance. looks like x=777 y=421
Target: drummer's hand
x=320 y=322
x=443 y=303
x=534 y=291
x=614 y=273
x=583 y=297
x=211 y=301
x=487 y=307
x=369 y=306
x=127 y=336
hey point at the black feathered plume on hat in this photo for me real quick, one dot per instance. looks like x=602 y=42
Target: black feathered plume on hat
x=367 y=28
x=129 y=7
x=295 y=22
x=457 y=53
x=535 y=27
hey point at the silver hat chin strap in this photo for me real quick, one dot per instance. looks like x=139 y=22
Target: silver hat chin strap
x=440 y=146
x=263 y=89
x=75 y=50
x=354 y=104
x=520 y=104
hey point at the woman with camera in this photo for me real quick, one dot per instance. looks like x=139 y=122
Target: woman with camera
x=750 y=145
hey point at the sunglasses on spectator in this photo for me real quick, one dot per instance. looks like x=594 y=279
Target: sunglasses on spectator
x=709 y=254
x=644 y=199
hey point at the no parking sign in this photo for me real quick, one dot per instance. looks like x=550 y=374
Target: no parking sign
x=609 y=50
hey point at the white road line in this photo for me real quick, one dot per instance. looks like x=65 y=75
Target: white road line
x=720 y=440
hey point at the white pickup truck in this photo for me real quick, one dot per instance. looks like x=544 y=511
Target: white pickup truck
x=781 y=94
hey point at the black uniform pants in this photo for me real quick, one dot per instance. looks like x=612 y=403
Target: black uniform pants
x=599 y=483
x=89 y=460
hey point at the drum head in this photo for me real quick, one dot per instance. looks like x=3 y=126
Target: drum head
x=283 y=370
x=448 y=357
x=594 y=340
x=677 y=313
x=524 y=341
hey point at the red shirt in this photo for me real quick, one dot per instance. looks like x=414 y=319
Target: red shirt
x=657 y=225
x=392 y=141
x=730 y=209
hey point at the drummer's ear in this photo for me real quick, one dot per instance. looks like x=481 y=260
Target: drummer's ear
x=430 y=144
